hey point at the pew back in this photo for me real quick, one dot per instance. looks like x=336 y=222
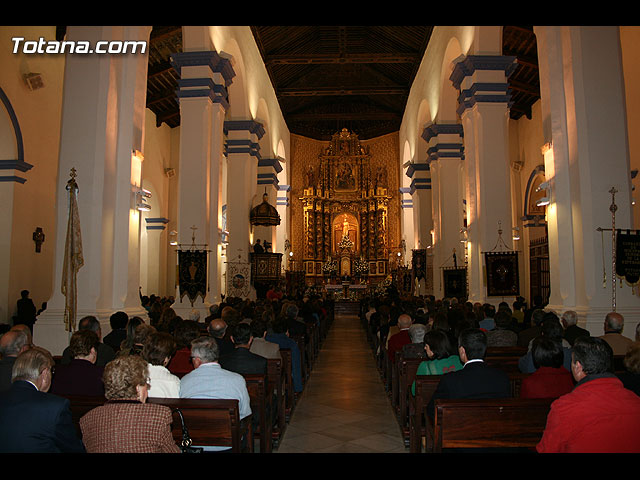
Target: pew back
x=210 y=422
x=489 y=423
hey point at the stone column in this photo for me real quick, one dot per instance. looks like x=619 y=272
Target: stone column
x=584 y=121
x=445 y=155
x=101 y=136
x=484 y=110
x=243 y=155
x=268 y=169
x=203 y=96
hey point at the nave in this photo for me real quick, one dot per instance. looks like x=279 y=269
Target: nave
x=344 y=407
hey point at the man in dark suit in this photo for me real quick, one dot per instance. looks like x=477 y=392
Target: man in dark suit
x=476 y=379
x=241 y=360
x=32 y=420
x=571 y=329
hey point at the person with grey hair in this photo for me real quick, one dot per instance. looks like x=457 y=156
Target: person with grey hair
x=209 y=380
x=572 y=331
x=415 y=349
x=613 y=325
x=105 y=352
x=31 y=419
x=12 y=344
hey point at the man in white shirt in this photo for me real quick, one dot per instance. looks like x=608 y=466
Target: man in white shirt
x=210 y=380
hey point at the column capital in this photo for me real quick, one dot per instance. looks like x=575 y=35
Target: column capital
x=211 y=59
x=472 y=63
x=248 y=132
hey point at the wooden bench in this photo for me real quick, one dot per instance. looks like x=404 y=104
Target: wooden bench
x=489 y=423
x=276 y=379
x=289 y=397
x=425 y=386
x=210 y=422
x=406 y=369
x=262 y=408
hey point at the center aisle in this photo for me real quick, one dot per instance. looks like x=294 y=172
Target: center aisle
x=344 y=407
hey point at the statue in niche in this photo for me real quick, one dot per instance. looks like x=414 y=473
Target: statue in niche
x=311 y=177
x=381 y=178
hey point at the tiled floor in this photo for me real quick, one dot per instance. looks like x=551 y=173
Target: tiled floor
x=344 y=407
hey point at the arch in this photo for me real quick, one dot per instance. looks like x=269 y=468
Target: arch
x=11 y=156
x=238 y=96
x=424 y=118
x=536 y=177
x=448 y=93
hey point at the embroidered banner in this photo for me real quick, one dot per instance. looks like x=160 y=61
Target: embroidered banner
x=192 y=274
x=419 y=263
x=502 y=274
x=455 y=283
x=628 y=255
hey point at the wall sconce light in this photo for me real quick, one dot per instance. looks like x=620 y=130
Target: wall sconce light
x=547 y=198
x=173 y=237
x=225 y=237
x=141 y=199
x=516 y=233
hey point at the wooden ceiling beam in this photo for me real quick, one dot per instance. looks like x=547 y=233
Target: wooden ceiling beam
x=341 y=91
x=364 y=116
x=329 y=59
x=524 y=87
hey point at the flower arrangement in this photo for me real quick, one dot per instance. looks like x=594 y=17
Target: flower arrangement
x=345 y=242
x=361 y=266
x=330 y=266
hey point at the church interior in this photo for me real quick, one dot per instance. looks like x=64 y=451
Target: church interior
x=419 y=145
x=484 y=163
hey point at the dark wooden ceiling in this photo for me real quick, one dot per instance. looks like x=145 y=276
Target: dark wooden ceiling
x=331 y=77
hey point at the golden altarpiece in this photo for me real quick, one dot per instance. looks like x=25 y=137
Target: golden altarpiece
x=345 y=206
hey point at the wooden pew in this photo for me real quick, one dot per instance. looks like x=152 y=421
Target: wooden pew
x=276 y=379
x=289 y=396
x=505 y=358
x=261 y=407
x=425 y=386
x=489 y=423
x=210 y=422
x=407 y=368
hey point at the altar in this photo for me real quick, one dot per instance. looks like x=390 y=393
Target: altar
x=346 y=214
x=346 y=290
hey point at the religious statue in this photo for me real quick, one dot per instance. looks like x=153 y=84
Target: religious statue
x=311 y=178
x=345 y=227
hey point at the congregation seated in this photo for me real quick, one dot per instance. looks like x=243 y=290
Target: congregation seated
x=415 y=349
x=280 y=336
x=12 y=344
x=32 y=420
x=572 y=331
x=180 y=364
x=210 y=380
x=599 y=415
x=118 y=322
x=105 y=352
x=550 y=379
x=613 y=326
x=242 y=360
x=550 y=328
x=475 y=379
x=217 y=329
x=442 y=357
x=631 y=376
x=134 y=343
x=401 y=338
x=525 y=336
x=157 y=351
x=502 y=335
x=126 y=423
x=259 y=345
x=81 y=376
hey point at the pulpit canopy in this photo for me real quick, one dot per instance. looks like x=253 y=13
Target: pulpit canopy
x=264 y=214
